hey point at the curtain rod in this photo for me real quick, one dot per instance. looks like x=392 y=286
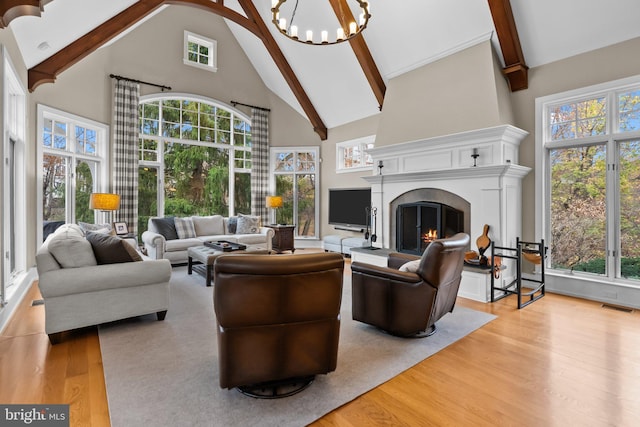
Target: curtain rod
x=163 y=87
x=234 y=103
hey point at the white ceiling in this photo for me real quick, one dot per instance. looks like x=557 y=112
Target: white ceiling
x=401 y=35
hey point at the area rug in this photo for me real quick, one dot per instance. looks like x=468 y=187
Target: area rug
x=166 y=373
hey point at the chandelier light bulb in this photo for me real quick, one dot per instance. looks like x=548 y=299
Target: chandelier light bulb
x=351 y=24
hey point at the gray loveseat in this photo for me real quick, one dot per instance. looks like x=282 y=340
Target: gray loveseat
x=161 y=241
x=79 y=292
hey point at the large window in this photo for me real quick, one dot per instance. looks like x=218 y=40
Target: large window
x=295 y=178
x=72 y=153
x=590 y=155
x=194 y=157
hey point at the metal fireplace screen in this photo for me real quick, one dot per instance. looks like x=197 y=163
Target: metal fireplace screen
x=417 y=224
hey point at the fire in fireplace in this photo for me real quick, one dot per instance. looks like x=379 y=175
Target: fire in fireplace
x=419 y=223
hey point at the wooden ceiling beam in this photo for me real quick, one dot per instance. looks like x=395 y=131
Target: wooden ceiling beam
x=361 y=50
x=12 y=9
x=48 y=70
x=285 y=68
x=515 y=69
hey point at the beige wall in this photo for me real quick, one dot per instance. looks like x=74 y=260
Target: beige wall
x=454 y=94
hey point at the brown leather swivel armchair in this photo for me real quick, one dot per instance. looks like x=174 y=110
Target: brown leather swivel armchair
x=278 y=320
x=405 y=303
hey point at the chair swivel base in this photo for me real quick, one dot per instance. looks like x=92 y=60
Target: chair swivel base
x=277 y=389
x=421 y=334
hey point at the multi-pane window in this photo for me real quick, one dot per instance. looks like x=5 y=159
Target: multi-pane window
x=194 y=157
x=352 y=155
x=200 y=51
x=591 y=183
x=73 y=158
x=295 y=178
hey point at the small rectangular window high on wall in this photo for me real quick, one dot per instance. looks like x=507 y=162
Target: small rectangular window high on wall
x=200 y=51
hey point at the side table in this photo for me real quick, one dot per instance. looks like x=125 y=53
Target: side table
x=283 y=238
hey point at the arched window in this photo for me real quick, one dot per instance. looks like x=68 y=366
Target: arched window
x=195 y=158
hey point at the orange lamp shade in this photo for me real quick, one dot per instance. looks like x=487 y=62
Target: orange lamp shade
x=274 y=201
x=104 y=201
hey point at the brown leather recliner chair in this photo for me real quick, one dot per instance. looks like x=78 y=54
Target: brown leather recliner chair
x=278 y=320
x=405 y=303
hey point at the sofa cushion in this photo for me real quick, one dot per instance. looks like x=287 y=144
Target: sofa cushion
x=181 y=244
x=208 y=225
x=165 y=226
x=111 y=249
x=69 y=247
x=248 y=224
x=185 y=228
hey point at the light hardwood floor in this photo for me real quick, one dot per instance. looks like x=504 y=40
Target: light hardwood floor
x=559 y=362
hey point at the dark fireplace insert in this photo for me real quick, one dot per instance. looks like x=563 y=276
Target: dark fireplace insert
x=418 y=223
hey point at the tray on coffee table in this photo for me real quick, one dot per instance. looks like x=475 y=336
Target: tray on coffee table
x=225 y=246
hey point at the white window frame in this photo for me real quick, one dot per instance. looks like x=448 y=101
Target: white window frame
x=101 y=157
x=212 y=45
x=606 y=287
x=14 y=129
x=272 y=184
x=341 y=148
x=160 y=141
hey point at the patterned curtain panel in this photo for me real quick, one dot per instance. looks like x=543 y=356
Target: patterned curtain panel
x=260 y=163
x=125 y=151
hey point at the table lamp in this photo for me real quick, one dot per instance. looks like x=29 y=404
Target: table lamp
x=105 y=202
x=274 y=202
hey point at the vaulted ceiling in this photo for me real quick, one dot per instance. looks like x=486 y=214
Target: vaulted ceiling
x=402 y=35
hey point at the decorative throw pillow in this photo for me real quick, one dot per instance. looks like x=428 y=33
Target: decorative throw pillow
x=69 y=247
x=99 y=228
x=411 y=266
x=248 y=224
x=184 y=228
x=208 y=225
x=111 y=249
x=165 y=226
x=232 y=224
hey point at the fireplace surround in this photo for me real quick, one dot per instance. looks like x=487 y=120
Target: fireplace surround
x=441 y=170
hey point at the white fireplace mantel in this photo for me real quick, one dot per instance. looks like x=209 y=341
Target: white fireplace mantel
x=493 y=188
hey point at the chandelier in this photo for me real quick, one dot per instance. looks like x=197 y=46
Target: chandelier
x=347 y=29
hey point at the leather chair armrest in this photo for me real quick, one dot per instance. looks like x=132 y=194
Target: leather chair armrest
x=396 y=260
x=385 y=272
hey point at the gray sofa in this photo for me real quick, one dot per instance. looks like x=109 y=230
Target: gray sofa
x=161 y=243
x=79 y=292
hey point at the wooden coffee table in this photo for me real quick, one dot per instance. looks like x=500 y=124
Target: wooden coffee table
x=201 y=258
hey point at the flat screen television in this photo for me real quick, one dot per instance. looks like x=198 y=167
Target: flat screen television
x=349 y=207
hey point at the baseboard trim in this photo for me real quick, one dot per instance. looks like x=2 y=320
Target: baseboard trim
x=23 y=286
